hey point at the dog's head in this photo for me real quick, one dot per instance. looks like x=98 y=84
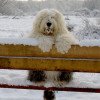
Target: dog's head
x=48 y=22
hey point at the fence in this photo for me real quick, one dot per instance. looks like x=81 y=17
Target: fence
x=78 y=59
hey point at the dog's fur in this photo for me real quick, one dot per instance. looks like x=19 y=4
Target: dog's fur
x=49 y=28
x=56 y=33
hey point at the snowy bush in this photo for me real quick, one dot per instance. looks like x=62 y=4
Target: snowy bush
x=9 y=8
x=71 y=7
x=83 y=12
x=95 y=13
x=89 y=31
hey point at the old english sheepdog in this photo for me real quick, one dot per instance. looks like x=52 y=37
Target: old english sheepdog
x=50 y=29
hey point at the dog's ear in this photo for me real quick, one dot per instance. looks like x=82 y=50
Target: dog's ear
x=38 y=18
x=60 y=20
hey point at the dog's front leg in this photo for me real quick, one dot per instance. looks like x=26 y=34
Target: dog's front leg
x=63 y=42
x=45 y=43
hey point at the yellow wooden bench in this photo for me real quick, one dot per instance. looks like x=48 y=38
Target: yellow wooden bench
x=78 y=59
x=82 y=59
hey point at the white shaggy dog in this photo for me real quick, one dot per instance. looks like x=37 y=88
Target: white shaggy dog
x=49 y=28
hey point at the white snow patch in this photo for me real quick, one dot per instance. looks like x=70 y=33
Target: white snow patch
x=15 y=77
x=15 y=41
x=87 y=42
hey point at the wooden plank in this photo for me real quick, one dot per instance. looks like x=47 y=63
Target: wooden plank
x=74 y=89
x=59 y=64
x=34 y=51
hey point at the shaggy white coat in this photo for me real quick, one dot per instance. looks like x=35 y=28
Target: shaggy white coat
x=57 y=34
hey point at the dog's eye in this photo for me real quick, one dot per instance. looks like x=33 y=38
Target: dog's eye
x=52 y=17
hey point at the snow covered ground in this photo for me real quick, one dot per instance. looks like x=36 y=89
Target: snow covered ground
x=19 y=78
x=83 y=28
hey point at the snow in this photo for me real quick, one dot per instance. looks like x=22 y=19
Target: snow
x=85 y=12
x=15 y=41
x=16 y=27
x=92 y=42
x=20 y=78
x=84 y=29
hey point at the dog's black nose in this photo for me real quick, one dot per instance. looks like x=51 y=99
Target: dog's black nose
x=48 y=24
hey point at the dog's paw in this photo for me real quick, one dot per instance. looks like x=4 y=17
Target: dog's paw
x=63 y=47
x=45 y=43
x=63 y=44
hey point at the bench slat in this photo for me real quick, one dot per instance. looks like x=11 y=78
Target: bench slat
x=33 y=51
x=51 y=64
x=93 y=90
